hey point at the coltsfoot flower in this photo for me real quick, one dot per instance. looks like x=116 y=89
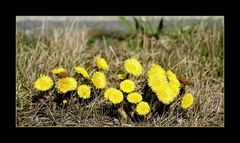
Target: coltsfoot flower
x=82 y=71
x=101 y=63
x=187 y=100
x=134 y=97
x=43 y=83
x=58 y=70
x=114 y=95
x=127 y=86
x=142 y=108
x=99 y=80
x=66 y=84
x=84 y=91
x=133 y=67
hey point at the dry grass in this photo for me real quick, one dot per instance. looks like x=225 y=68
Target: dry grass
x=197 y=56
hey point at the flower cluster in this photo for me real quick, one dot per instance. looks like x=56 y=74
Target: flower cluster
x=164 y=84
x=128 y=94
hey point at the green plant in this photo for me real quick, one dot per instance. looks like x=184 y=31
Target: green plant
x=142 y=27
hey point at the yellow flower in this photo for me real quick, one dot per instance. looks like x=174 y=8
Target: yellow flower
x=58 y=70
x=174 y=84
x=84 y=91
x=101 y=63
x=167 y=93
x=156 y=77
x=164 y=84
x=134 y=97
x=173 y=78
x=187 y=100
x=127 y=86
x=164 y=96
x=143 y=108
x=115 y=96
x=99 y=80
x=156 y=70
x=108 y=92
x=121 y=76
x=133 y=67
x=156 y=83
x=66 y=84
x=174 y=89
x=64 y=101
x=82 y=71
x=43 y=83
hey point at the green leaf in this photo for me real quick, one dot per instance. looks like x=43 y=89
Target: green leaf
x=127 y=23
x=142 y=26
x=136 y=23
x=159 y=29
x=149 y=28
x=189 y=28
